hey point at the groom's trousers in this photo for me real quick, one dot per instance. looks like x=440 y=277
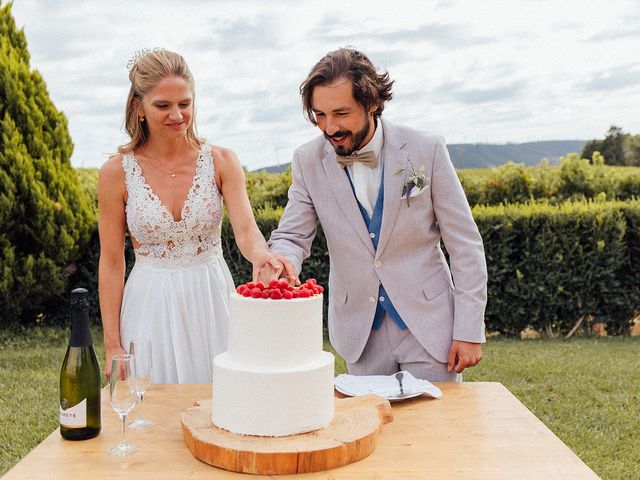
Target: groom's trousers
x=391 y=349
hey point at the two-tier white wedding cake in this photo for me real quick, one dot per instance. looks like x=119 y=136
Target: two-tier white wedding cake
x=275 y=379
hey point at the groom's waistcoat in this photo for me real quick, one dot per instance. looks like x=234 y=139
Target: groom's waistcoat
x=373 y=224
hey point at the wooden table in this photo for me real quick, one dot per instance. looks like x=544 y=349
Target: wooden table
x=475 y=431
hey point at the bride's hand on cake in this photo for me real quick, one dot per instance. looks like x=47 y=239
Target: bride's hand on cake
x=265 y=274
x=266 y=267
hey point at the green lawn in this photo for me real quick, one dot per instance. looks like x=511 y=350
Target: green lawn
x=586 y=390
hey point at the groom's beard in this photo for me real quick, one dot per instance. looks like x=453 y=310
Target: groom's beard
x=356 y=138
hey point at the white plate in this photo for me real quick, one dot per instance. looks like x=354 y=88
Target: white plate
x=391 y=399
x=404 y=397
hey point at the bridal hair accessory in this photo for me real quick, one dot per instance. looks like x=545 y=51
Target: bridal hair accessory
x=138 y=54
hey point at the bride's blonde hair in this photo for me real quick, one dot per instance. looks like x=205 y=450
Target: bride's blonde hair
x=147 y=71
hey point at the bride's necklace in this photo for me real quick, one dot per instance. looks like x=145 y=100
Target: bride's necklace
x=171 y=174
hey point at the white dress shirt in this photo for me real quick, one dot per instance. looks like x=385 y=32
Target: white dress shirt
x=366 y=180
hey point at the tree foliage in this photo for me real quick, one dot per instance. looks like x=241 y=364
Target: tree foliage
x=617 y=148
x=46 y=219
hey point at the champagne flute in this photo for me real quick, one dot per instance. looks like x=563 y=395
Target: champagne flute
x=140 y=348
x=123 y=398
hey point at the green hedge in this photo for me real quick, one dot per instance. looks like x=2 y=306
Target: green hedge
x=574 y=179
x=268 y=190
x=548 y=265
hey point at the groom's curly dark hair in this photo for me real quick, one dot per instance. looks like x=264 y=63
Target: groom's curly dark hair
x=369 y=87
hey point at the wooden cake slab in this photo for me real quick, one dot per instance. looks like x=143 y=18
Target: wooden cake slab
x=351 y=436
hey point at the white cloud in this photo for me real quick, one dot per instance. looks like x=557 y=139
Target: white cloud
x=474 y=71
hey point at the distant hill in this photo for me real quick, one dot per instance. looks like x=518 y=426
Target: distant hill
x=483 y=155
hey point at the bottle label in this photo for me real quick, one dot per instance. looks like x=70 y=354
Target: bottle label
x=73 y=417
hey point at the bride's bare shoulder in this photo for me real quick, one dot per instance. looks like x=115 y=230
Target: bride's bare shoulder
x=111 y=170
x=224 y=158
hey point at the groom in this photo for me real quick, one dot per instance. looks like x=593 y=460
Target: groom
x=385 y=196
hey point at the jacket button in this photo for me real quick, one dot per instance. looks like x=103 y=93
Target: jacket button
x=372 y=299
x=378 y=263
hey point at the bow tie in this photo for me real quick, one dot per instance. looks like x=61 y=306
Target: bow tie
x=366 y=158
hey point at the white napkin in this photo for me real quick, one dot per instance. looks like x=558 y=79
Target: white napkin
x=385 y=386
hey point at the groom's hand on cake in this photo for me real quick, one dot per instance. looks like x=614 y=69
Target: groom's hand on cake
x=269 y=266
x=289 y=271
x=274 y=266
x=463 y=355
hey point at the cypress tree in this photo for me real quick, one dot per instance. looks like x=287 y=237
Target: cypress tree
x=45 y=217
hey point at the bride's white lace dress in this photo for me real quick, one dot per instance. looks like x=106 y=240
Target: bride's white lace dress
x=178 y=291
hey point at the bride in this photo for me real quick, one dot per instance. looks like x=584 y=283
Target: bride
x=165 y=188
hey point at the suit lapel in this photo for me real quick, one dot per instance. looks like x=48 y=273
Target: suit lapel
x=339 y=184
x=394 y=158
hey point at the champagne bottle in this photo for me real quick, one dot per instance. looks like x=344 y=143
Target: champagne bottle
x=80 y=376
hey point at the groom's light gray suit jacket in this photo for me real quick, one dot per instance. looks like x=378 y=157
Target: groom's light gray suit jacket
x=408 y=260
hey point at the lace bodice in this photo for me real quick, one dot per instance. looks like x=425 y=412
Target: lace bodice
x=165 y=242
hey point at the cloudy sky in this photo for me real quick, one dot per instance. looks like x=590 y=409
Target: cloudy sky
x=474 y=71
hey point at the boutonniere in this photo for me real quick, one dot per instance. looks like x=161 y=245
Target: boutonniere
x=416 y=180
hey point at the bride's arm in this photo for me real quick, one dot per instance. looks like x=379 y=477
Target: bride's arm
x=112 y=228
x=230 y=179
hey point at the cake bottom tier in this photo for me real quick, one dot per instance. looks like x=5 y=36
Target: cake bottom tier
x=273 y=402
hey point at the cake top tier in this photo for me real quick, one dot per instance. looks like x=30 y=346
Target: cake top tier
x=280 y=290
